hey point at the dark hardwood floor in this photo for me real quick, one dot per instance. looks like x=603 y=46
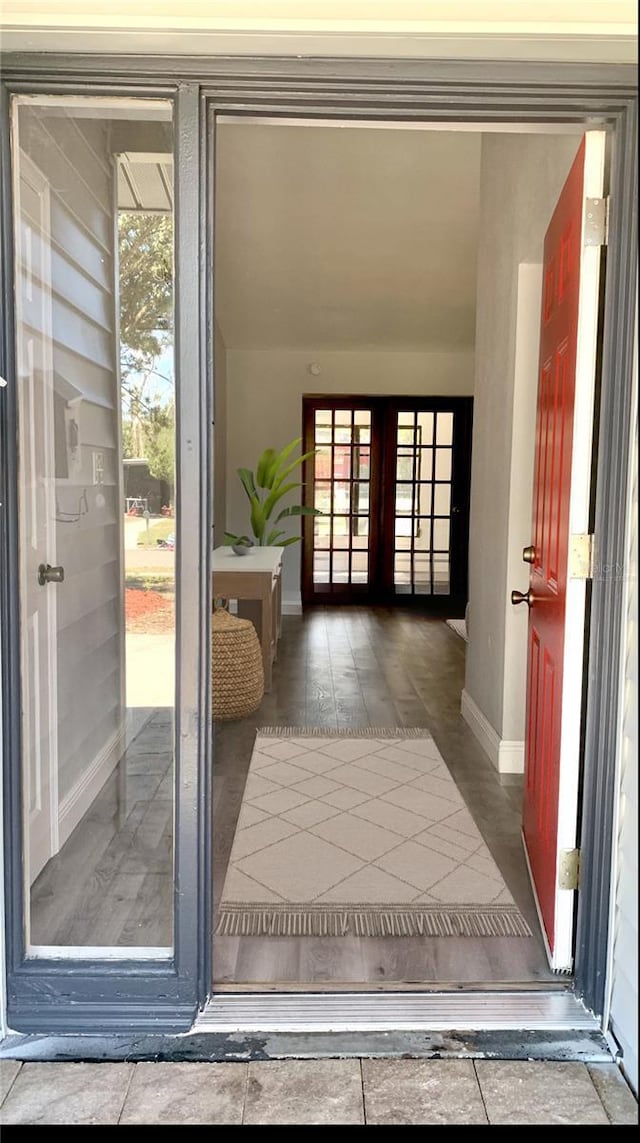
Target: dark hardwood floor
x=384 y=667
x=112 y=882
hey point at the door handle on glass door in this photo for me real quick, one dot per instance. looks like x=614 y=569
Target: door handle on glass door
x=521 y=597
x=47 y=574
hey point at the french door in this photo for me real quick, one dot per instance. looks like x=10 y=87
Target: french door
x=390 y=480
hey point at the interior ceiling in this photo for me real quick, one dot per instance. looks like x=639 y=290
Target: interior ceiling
x=342 y=238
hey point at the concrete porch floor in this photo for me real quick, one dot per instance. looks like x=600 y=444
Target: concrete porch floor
x=402 y=1092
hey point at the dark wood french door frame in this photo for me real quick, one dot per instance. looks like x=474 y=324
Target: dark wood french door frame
x=399 y=569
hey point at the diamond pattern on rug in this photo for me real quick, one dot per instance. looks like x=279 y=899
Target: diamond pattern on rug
x=344 y=834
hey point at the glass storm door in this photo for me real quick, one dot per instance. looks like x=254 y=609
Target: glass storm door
x=390 y=479
x=96 y=400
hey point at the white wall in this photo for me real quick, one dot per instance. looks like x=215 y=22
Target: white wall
x=521 y=178
x=219 y=437
x=264 y=406
x=624 y=984
x=547 y=29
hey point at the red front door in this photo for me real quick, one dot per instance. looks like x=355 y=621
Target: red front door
x=557 y=595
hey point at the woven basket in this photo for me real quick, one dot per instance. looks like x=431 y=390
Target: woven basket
x=237 y=684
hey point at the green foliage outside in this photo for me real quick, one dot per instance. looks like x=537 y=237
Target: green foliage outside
x=159 y=530
x=146 y=332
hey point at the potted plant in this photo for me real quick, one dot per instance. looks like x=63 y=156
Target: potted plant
x=265 y=489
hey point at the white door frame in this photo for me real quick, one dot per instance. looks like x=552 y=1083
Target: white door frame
x=38 y=466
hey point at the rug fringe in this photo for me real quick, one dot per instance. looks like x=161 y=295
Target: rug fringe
x=343 y=732
x=256 y=921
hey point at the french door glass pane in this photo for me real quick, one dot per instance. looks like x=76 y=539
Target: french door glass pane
x=443 y=464
x=422 y=507
x=93 y=184
x=444 y=433
x=342 y=471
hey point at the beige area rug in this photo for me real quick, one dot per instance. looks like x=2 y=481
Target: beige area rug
x=359 y=833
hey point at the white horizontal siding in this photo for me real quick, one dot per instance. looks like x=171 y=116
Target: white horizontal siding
x=74 y=158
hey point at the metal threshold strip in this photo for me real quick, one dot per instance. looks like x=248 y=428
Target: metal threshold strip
x=396 y=1012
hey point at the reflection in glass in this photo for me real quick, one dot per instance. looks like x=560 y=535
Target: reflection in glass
x=445 y=429
x=425 y=464
x=404 y=499
x=322 y=496
x=425 y=426
x=362 y=463
x=342 y=416
x=340 y=567
x=441 y=584
x=361 y=498
x=321 y=567
x=359 y=567
x=422 y=574
x=443 y=464
x=341 y=496
x=440 y=535
x=442 y=499
x=321 y=527
x=94 y=230
x=423 y=499
x=322 y=463
x=341 y=462
x=405 y=460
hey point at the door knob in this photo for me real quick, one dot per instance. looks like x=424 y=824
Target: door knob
x=47 y=574
x=529 y=554
x=521 y=597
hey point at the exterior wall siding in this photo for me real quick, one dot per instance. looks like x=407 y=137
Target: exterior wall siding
x=74 y=158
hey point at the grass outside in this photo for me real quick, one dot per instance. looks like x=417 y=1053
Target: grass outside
x=158 y=531
x=150 y=581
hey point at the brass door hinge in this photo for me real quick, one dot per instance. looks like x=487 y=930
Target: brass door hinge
x=569 y=869
x=581 y=556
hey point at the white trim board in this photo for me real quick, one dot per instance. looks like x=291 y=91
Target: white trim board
x=507 y=756
x=75 y=804
x=291 y=604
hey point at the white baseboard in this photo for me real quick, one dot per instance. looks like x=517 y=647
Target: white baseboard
x=511 y=756
x=507 y=756
x=75 y=804
x=292 y=603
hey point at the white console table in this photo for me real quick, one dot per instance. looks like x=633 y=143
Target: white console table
x=254 y=579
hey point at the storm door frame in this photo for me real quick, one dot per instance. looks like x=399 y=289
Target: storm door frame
x=81 y=997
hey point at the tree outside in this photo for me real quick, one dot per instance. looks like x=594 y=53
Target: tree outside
x=146 y=340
